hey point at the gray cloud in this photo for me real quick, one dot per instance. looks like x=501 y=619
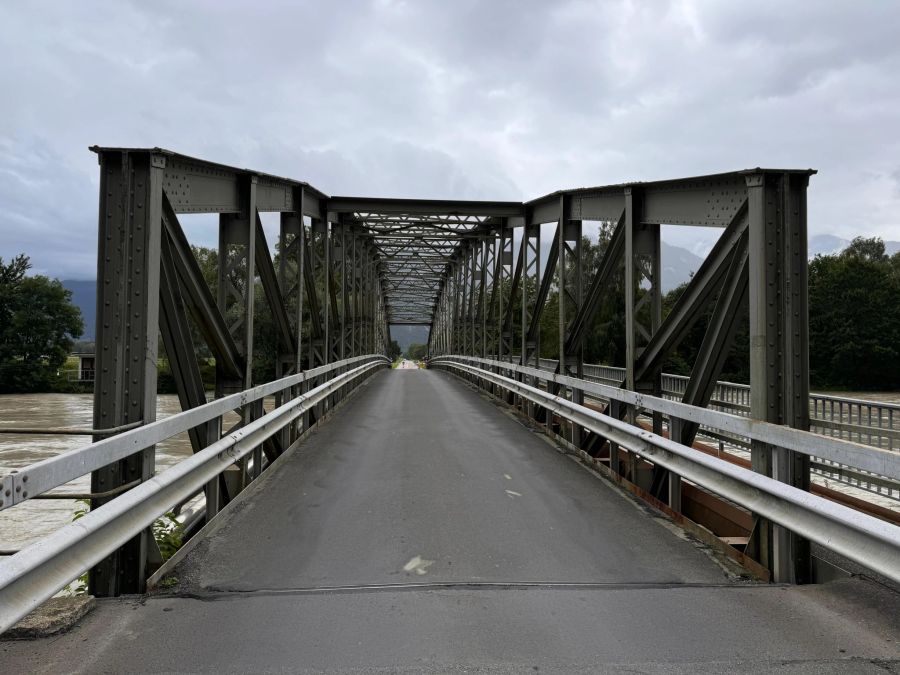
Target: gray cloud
x=480 y=100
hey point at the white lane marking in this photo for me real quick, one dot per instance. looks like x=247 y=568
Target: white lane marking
x=512 y=494
x=507 y=476
x=418 y=565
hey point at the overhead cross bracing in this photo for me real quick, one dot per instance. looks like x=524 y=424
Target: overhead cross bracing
x=416 y=240
x=415 y=251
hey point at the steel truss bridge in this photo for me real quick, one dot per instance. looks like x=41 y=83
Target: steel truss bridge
x=473 y=272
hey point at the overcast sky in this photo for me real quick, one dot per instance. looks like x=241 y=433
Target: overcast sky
x=454 y=99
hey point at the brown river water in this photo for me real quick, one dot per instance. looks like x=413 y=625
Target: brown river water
x=25 y=523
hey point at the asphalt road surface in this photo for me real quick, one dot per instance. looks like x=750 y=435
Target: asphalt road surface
x=425 y=529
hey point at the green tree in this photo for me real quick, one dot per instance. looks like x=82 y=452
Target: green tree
x=681 y=359
x=208 y=260
x=416 y=351
x=605 y=339
x=854 y=318
x=394 y=350
x=265 y=337
x=38 y=326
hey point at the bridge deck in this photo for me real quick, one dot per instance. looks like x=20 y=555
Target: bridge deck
x=365 y=549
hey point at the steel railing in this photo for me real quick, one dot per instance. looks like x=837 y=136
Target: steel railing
x=34 y=574
x=872 y=423
x=867 y=540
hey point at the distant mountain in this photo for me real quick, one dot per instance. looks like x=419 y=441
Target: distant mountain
x=828 y=244
x=677 y=266
x=678 y=263
x=84 y=296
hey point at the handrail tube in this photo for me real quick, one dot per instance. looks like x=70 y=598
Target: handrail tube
x=35 y=573
x=69 y=431
x=866 y=457
x=869 y=541
x=887 y=405
x=52 y=472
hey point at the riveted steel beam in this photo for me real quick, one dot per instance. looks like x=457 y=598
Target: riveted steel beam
x=128 y=275
x=779 y=348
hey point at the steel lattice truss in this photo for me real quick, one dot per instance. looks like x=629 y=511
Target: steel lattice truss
x=415 y=251
x=479 y=274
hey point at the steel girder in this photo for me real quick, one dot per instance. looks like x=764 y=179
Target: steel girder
x=472 y=271
x=128 y=287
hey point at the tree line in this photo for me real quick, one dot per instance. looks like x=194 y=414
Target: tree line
x=38 y=327
x=854 y=323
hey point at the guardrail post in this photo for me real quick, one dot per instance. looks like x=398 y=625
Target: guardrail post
x=213 y=489
x=128 y=278
x=779 y=350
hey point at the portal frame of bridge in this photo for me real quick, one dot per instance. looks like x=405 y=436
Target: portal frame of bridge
x=349 y=267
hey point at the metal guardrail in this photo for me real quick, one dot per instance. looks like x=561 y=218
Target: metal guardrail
x=871 y=542
x=34 y=574
x=872 y=423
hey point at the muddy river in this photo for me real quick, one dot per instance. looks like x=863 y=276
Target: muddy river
x=28 y=522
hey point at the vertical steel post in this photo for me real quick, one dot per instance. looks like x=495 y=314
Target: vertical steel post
x=642 y=264
x=569 y=280
x=354 y=292
x=318 y=248
x=328 y=350
x=478 y=284
x=237 y=256
x=455 y=345
x=504 y=265
x=531 y=270
x=128 y=277
x=373 y=302
x=484 y=297
x=236 y=291
x=291 y=269
x=779 y=349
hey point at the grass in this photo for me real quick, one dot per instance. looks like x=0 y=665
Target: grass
x=167 y=531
